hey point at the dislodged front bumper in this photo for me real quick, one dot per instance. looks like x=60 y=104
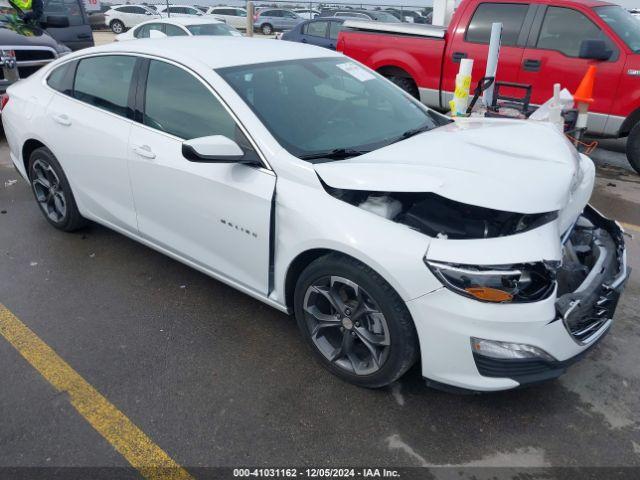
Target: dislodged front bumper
x=565 y=326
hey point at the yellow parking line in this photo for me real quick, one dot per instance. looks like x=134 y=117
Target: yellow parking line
x=630 y=226
x=132 y=443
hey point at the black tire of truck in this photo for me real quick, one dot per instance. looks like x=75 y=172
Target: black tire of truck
x=633 y=147
x=406 y=84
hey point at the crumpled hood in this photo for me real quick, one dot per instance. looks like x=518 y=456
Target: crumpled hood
x=510 y=165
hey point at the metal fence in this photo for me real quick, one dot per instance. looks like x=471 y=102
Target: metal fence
x=405 y=13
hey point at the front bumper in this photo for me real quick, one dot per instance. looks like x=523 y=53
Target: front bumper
x=446 y=321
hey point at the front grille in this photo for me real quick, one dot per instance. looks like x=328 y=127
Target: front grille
x=592 y=260
x=34 y=55
x=586 y=317
x=26 y=71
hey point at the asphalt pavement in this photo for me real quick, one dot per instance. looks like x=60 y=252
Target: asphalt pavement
x=214 y=378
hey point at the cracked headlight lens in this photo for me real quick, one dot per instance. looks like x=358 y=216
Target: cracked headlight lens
x=519 y=283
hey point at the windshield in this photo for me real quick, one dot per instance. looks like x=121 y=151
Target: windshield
x=623 y=23
x=328 y=108
x=213 y=29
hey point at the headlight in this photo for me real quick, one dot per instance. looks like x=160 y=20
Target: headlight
x=520 y=283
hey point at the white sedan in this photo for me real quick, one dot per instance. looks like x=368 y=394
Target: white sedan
x=179 y=27
x=311 y=183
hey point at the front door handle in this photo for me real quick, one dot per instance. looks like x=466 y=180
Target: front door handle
x=531 y=65
x=84 y=35
x=457 y=56
x=144 y=151
x=62 y=120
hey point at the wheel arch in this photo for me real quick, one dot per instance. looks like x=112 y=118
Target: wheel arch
x=27 y=149
x=629 y=123
x=306 y=257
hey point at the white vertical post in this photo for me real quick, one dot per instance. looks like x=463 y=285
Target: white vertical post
x=492 y=61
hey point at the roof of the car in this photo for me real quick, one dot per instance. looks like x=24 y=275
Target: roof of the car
x=216 y=51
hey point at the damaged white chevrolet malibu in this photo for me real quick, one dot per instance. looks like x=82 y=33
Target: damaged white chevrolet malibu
x=309 y=182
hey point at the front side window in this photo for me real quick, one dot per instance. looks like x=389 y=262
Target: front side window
x=511 y=15
x=179 y=104
x=66 y=8
x=174 y=31
x=289 y=15
x=312 y=106
x=316 y=29
x=272 y=13
x=104 y=82
x=623 y=23
x=564 y=30
x=239 y=13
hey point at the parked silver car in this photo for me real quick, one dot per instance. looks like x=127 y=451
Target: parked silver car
x=272 y=19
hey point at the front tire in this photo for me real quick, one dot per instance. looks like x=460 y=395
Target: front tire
x=633 y=147
x=266 y=29
x=117 y=26
x=52 y=191
x=354 y=321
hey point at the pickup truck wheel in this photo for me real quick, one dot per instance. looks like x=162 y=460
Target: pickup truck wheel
x=354 y=321
x=407 y=84
x=633 y=147
x=52 y=191
x=117 y=26
x=266 y=29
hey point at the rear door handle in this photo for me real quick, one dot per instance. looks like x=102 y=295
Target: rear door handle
x=531 y=65
x=457 y=56
x=84 y=35
x=144 y=151
x=62 y=120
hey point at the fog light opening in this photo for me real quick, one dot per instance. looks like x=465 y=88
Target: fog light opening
x=507 y=350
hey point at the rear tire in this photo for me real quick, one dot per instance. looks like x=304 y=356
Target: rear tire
x=406 y=84
x=633 y=147
x=266 y=29
x=356 y=324
x=52 y=191
x=117 y=27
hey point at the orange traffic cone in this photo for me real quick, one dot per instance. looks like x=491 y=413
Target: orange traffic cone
x=584 y=93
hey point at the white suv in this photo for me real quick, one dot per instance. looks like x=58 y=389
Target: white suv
x=179 y=11
x=122 y=17
x=234 y=16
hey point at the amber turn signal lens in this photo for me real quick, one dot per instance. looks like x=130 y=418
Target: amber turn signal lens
x=489 y=294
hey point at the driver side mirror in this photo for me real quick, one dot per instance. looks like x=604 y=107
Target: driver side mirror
x=595 y=50
x=56 y=21
x=212 y=149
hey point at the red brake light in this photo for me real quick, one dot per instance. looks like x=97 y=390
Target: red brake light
x=4 y=99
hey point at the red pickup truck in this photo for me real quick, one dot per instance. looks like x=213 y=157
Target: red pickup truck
x=543 y=42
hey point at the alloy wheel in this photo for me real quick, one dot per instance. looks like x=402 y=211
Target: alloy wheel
x=346 y=325
x=117 y=27
x=48 y=190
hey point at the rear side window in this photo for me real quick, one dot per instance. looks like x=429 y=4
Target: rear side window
x=173 y=31
x=510 y=14
x=316 y=29
x=334 y=29
x=564 y=30
x=145 y=30
x=178 y=103
x=66 y=8
x=104 y=82
x=61 y=79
